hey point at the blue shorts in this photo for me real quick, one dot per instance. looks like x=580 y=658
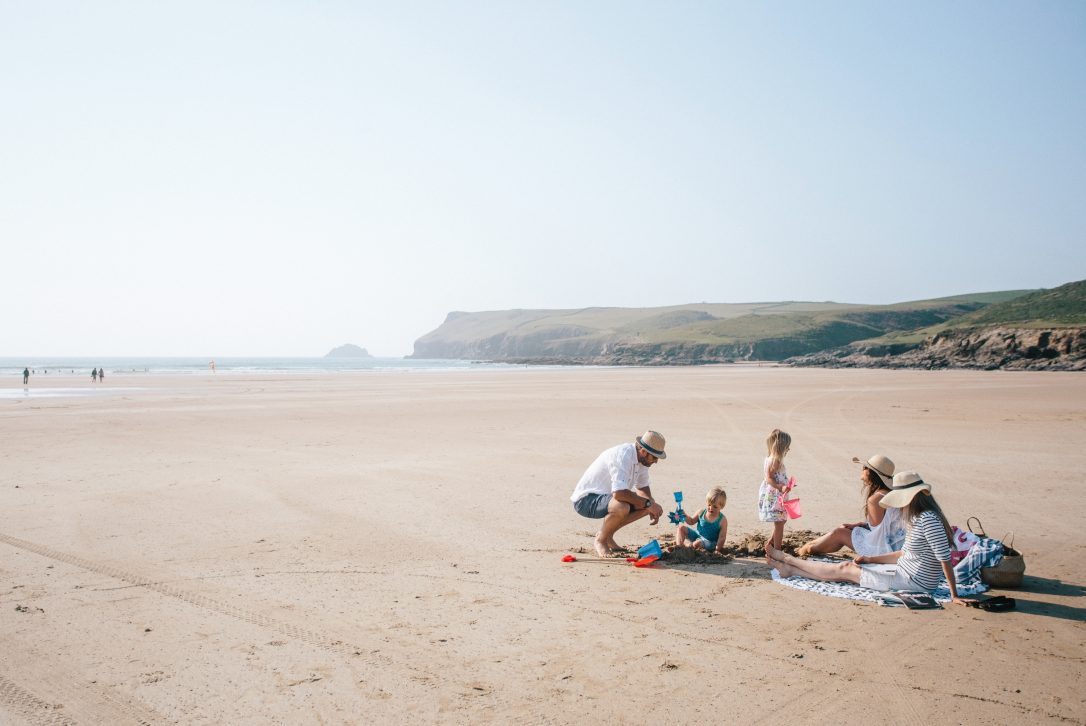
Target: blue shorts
x=694 y=536
x=592 y=505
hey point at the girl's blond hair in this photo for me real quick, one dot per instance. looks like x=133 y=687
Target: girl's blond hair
x=777 y=445
x=717 y=493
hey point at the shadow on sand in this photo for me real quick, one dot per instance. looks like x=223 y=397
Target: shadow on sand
x=1047 y=586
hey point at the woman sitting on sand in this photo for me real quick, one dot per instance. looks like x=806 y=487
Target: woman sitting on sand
x=921 y=565
x=884 y=530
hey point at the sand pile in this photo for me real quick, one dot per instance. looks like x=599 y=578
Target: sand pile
x=690 y=556
x=748 y=545
x=753 y=545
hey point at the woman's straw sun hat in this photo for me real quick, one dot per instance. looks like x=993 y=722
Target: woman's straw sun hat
x=907 y=484
x=879 y=464
x=652 y=442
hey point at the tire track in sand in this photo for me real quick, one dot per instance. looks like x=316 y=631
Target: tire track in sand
x=354 y=653
x=25 y=704
x=71 y=698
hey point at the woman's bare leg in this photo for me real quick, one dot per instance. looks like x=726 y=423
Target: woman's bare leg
x=788 y=566
x=830 y=542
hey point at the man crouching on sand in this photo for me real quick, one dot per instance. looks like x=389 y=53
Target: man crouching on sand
x=615 y=488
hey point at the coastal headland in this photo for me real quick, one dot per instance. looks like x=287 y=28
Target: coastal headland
x=1011 y=329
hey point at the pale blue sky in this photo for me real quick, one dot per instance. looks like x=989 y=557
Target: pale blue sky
x=273 y=178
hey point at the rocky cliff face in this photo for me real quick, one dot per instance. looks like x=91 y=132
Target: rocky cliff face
x=570 y=341
x=993 y=348
x=672 y=337
x=594 y=351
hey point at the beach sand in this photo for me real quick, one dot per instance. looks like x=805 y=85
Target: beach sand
x=380 y=547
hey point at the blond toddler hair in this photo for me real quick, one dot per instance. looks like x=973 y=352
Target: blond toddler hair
x=717 y=493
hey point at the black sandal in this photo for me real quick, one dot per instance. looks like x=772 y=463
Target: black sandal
x=997 y=604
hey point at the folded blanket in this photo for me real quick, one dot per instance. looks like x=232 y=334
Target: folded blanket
x=844 y=590
x=985 y=553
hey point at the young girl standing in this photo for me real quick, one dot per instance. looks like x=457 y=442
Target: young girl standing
x=774 y=484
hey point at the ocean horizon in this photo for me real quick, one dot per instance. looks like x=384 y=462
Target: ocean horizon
x=165 y=365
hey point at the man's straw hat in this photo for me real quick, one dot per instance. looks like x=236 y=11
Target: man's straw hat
x=907 y=484
x=652 y=442
x=880 y=465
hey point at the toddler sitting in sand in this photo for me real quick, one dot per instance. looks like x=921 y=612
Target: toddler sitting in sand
x=708 y=530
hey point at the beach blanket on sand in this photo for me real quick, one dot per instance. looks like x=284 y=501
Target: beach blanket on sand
x=984 y=553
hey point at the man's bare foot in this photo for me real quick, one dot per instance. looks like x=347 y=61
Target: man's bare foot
x=804 y=551
x=785 y=569
x=615 y=545
x=602 y=549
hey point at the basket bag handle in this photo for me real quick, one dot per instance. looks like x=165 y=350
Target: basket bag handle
x=979 y=531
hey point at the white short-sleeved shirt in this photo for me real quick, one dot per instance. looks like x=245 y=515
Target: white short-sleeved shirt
x=612 y=471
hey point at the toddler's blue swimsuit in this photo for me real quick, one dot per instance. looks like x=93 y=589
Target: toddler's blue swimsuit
x=709 y=530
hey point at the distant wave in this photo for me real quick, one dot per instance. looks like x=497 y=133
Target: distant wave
x=228 y=366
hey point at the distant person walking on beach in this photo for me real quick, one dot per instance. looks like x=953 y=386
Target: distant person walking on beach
x=94 y=374
x=101 y=374
x=211 y=365
x=615 y=488
x=774 y=484
x=26 y=376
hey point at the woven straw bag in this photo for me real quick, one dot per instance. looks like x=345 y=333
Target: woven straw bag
x=1009 y=571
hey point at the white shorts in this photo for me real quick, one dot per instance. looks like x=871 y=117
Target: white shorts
x=886 y=578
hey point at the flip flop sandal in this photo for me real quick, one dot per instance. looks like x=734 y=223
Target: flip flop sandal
x=997 y=604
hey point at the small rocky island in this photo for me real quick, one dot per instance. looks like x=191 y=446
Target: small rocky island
x=348 y=351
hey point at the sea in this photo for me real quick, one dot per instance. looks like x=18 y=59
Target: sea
x=127 y=366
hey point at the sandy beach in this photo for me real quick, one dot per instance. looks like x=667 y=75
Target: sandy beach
x=371 y=547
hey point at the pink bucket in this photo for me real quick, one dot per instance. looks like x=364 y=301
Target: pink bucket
x=791 y=508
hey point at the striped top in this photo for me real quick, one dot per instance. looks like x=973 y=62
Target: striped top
x=925 y=548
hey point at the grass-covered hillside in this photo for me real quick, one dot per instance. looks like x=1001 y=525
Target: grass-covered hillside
x=707 y=332
x=1061 y=306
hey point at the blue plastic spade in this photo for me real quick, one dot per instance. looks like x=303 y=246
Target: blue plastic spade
x=678 y=516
